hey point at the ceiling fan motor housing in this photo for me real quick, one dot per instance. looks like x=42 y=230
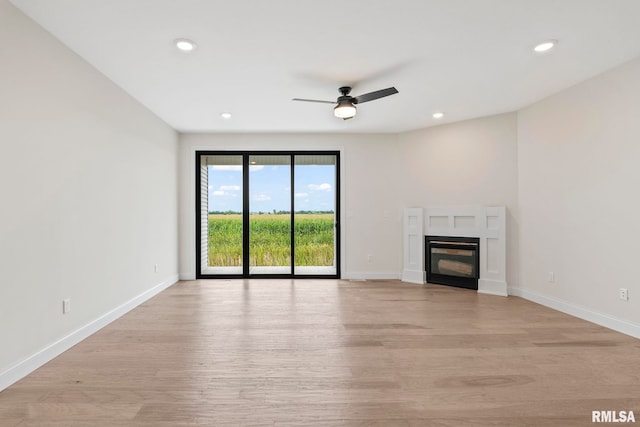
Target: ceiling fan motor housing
x=345 y=90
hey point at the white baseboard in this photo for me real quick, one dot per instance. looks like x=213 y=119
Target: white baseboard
x=628 y=328
x=23 y=368
x=370 y=276
x=414 y=276
x=488 y=292
x=345 y=276
x=492 y=287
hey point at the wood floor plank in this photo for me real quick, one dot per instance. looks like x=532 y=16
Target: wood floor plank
x=332 y=353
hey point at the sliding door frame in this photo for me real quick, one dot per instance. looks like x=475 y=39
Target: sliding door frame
x=246 y=154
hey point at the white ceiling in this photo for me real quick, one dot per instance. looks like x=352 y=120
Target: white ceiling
x=468 y=58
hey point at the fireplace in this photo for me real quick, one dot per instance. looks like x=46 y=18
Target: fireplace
x=453 y=261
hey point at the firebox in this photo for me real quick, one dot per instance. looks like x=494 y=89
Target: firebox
x=453 y=261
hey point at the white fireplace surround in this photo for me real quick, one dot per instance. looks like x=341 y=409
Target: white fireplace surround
x=485 y=222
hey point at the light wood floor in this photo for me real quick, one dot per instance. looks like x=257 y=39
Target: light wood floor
x=332 y=353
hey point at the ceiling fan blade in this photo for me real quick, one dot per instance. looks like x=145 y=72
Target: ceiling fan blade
x=375 y=95
x=313 y=100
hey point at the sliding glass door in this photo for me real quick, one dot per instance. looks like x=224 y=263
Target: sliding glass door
x=270 y=214
x=220 y=210
x=267 y=214
x=315 y=217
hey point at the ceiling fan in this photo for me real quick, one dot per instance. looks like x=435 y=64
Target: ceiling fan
x=346 y=105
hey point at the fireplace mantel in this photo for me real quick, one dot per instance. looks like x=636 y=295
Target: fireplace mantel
x=488 y=223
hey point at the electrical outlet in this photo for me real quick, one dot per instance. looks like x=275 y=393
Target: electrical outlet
x=66 y=306
x=624 y=294
x=369 y=258
x=155 y=268
x=551 y=278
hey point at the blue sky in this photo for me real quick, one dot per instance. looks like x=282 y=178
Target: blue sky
x=270 y=188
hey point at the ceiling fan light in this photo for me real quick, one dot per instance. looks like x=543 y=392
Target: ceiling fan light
x=344 y=110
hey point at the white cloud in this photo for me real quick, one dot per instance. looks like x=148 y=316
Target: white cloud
x=254 y=168
x=229 y=188
x=210 y=187
x=301 y=194
x=320 y=187
x=261 y=197
x=218 y=193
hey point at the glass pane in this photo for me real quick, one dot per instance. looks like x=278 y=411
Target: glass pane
x=223 y=214
x=314 y=214
x=270 y=214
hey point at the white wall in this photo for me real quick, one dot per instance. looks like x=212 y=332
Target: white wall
x=578 y=160
x=88 y=187
x=465 y=164
x=371 y=209
x=381 y=175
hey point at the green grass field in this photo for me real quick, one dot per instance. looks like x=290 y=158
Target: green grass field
x=270 y=240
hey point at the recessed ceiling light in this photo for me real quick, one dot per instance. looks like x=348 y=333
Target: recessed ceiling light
x=438 y=115
x=545 y=46
x=226 y=116
x=185 y=45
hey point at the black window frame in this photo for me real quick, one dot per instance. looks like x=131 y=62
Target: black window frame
x=245 y=212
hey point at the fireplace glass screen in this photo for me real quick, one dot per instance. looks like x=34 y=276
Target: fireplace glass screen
x=453 y=261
